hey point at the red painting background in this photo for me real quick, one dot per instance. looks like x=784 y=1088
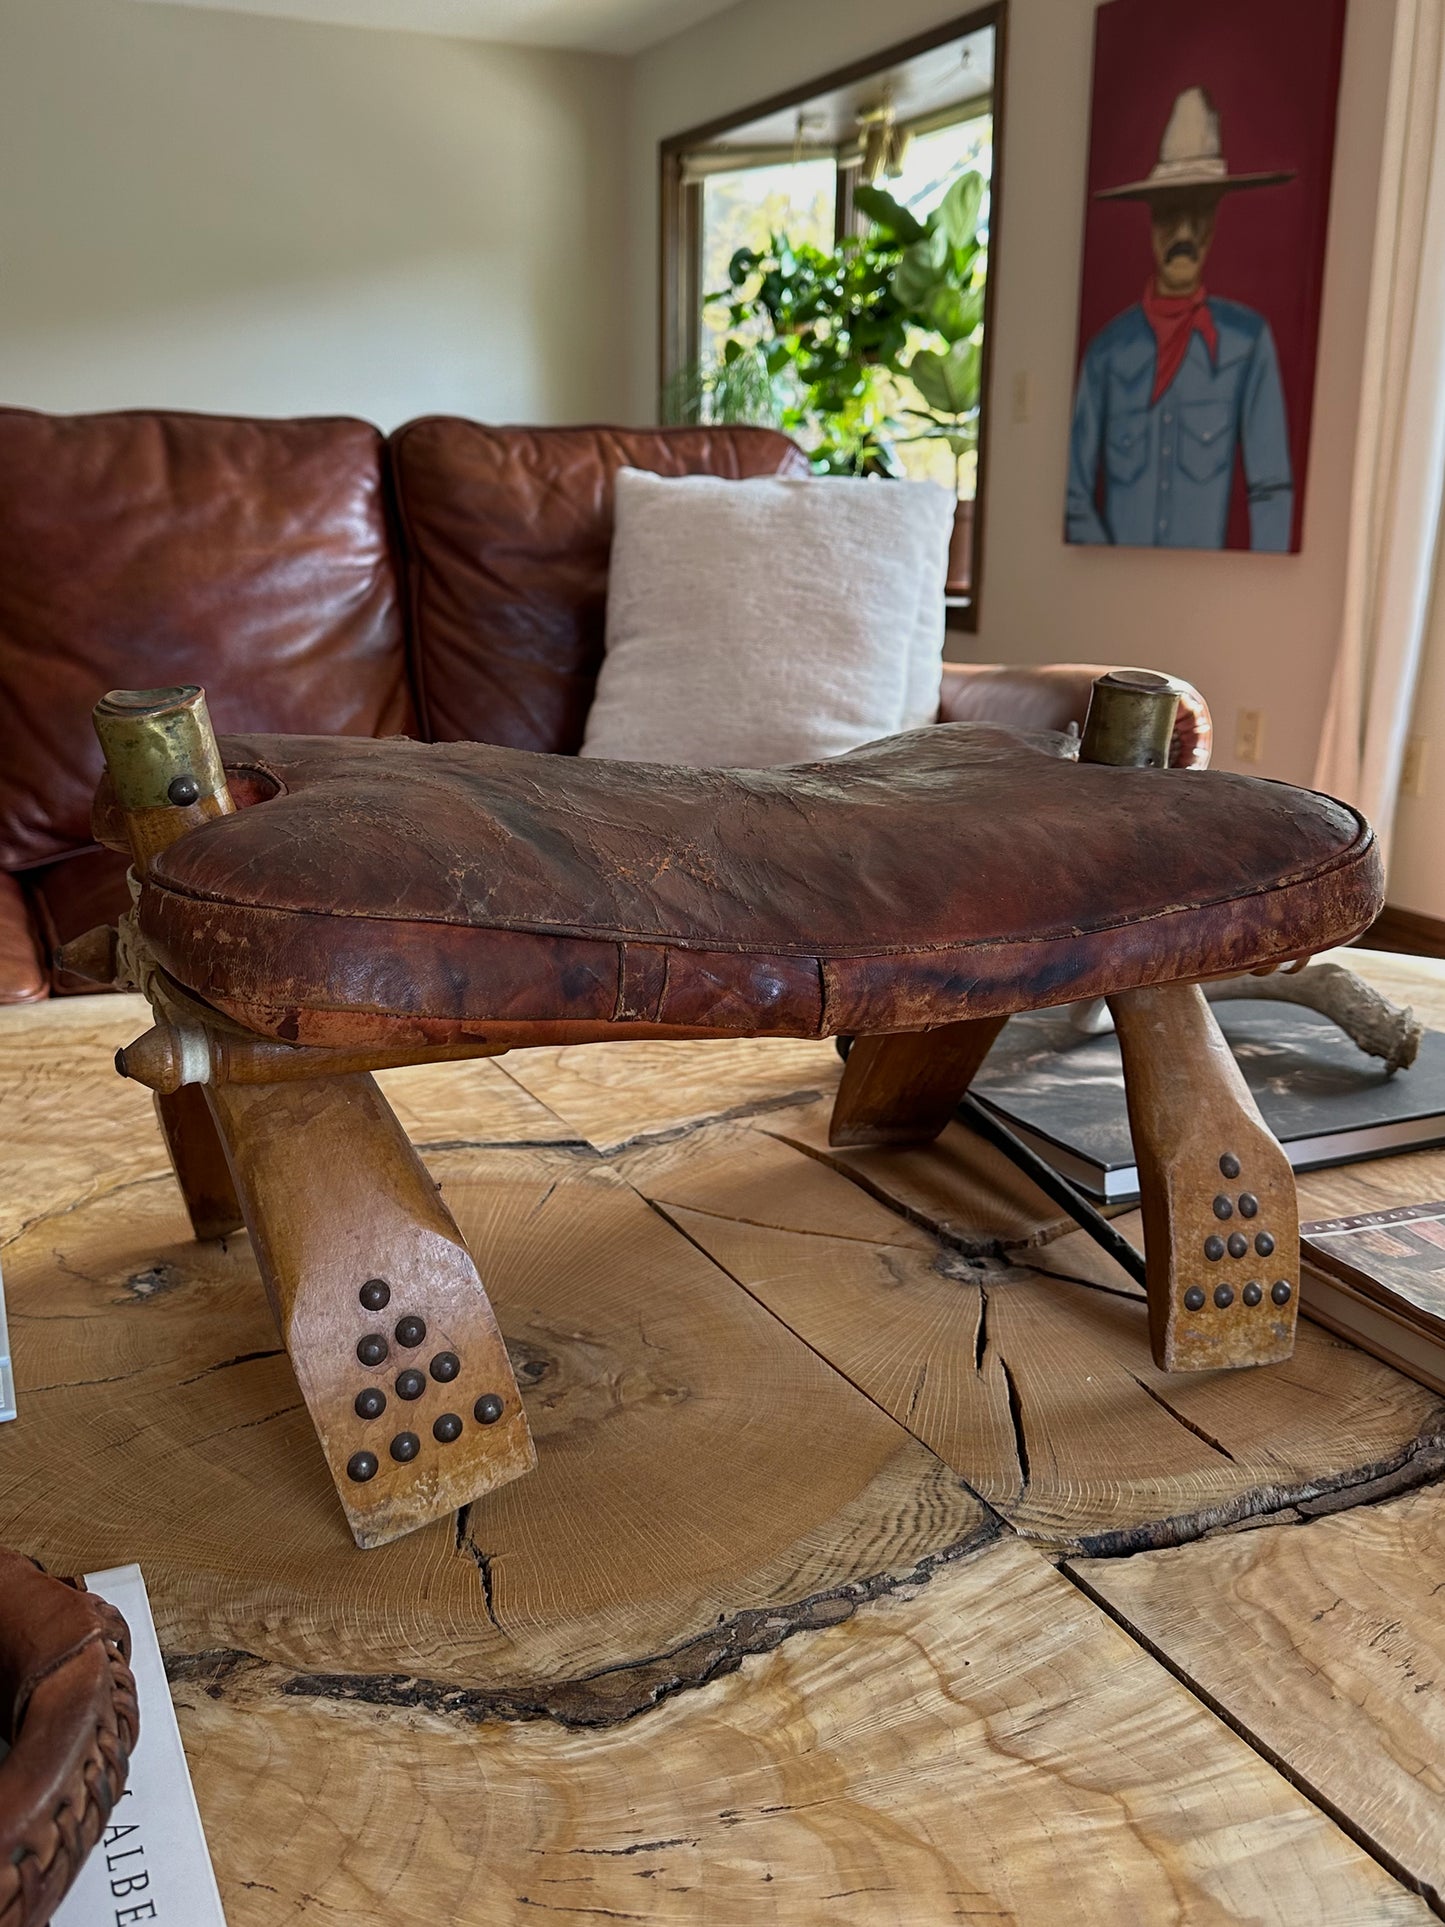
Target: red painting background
x=1272 y=69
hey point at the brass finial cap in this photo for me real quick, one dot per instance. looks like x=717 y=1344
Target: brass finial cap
x=1131 y=719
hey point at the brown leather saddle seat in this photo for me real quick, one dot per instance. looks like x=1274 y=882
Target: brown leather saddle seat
x=391 y=891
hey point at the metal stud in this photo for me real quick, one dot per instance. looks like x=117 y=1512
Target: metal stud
x=410 y=1384
x=1238 y=1244
x=372 y=1349
x=183 y=791
x=447 y=1428
x=1282 y=1291
x=444 y=1367
x=488 y=1409
x=1194 y=1299
x=1224 y=1296
x=1229 y=1165
x=1213 y=1249
x=1251 y=1293
x=405 y=1446
x=375 y=1294
x=1222 y=1207
x=370 y=1403
x=1248 y=1205
x=362 y=1466
x=1263 y=1244
x=410 y=1331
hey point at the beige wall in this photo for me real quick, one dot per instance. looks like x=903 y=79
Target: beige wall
x=1417 y=859
x=1252 y=631
x=211 y=210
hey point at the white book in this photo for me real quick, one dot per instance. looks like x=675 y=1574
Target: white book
x=151 y=1864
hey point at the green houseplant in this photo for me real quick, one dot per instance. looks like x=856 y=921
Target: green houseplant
x=863 y=348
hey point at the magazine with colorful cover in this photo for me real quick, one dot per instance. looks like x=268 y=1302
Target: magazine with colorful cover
x=1378 y=1278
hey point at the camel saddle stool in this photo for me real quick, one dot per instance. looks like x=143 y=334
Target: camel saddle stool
x=308 y=910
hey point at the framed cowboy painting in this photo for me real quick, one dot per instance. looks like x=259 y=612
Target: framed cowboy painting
x=1210 y=151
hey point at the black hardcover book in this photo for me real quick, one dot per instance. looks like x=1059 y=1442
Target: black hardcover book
x=1324 y=1099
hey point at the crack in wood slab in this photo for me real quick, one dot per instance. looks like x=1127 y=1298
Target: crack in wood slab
x=967 y=1244
x=1419 y=1463
x=1189 y=1425
x=1288 y=1769
x=603 y=1699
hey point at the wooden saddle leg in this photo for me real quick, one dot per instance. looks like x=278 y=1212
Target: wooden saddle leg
x=390 y=1333
x=904 y=1087
x=1221 y=1216
x=389 y=1329
x=198 y=1159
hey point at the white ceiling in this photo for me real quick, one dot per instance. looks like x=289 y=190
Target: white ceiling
x=943 y=77
x=594 y=26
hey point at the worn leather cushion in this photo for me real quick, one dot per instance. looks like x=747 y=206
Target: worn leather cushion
x=251 y=556
x=397 y=892
x=508 y=532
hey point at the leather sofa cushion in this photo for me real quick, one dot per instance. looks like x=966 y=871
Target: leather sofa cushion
x=22 y=969
x=404 y=892
x=251 y=556
x=72 y=896
x=507 y=532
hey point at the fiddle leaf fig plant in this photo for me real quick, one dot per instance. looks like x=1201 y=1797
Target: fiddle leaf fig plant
x=827 y=343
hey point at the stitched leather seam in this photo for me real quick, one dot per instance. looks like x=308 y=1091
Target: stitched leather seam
x=250 y=1000
x=106 y=1764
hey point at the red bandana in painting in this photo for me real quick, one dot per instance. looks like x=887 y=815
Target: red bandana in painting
x=1174 y=317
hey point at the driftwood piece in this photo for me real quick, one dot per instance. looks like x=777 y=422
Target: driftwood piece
x=973 y=1752
x=1324 y=1642
x=1367 y=1016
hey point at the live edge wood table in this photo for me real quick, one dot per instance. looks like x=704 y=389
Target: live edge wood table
x=870 y=1572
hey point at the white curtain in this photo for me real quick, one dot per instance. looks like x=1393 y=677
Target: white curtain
x=1395 y=516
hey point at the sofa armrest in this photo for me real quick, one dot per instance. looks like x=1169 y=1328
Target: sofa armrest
x=23 y=976
x=1053 y=695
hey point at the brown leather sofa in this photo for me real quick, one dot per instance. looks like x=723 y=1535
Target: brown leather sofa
x=447 y=582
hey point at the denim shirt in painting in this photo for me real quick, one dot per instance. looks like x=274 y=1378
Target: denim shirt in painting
x=1168 y=467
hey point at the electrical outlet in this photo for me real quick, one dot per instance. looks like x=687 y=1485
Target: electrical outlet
x=1249 y=736
x=1412 y=769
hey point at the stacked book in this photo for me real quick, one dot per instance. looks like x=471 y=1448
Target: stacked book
x=1377 y=1278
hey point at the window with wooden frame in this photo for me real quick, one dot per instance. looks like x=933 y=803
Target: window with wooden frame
x=828 y=261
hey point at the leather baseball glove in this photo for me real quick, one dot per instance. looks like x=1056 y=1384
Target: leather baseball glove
x=68 y=1713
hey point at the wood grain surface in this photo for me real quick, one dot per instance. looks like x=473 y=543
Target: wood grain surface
x=1040 y=1393
x=757 y=1641
x=992 y=1748
x=661 y=1401
x=1325 y=1643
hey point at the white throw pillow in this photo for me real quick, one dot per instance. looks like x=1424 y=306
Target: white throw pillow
x=781 y=619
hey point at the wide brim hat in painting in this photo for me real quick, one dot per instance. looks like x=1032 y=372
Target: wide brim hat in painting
x=1191 y=156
